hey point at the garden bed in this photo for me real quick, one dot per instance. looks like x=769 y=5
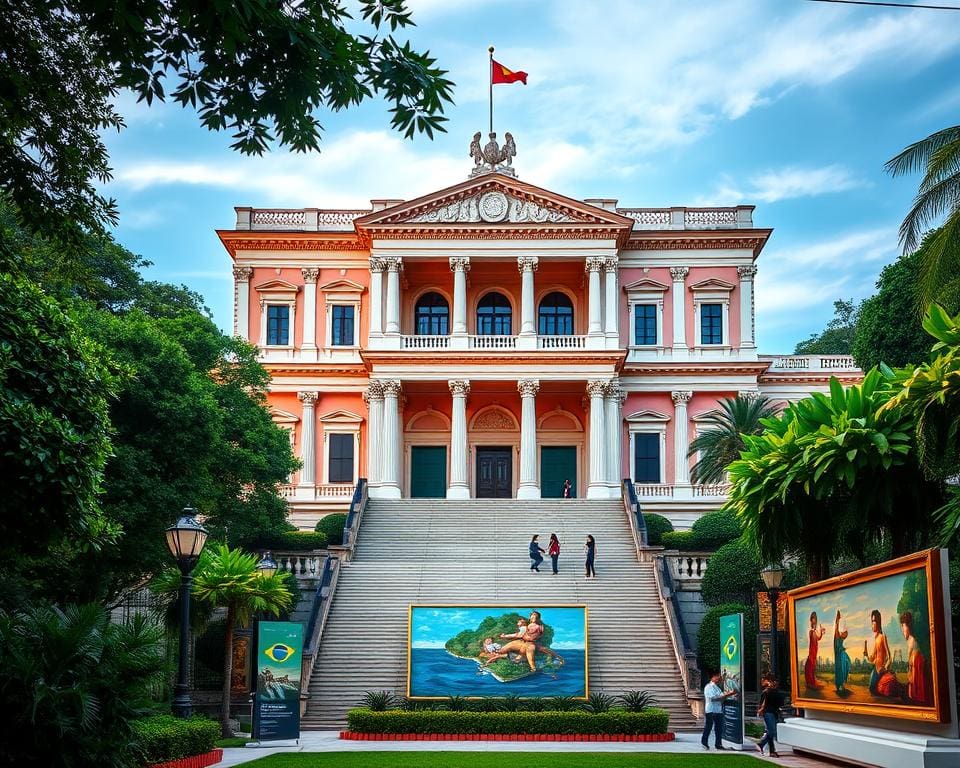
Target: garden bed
x=212 y=757
x=638 y=737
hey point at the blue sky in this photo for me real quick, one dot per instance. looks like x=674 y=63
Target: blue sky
x=433 y=626
x=790 y=105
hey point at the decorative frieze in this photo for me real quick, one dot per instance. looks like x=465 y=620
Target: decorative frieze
x=491 y=207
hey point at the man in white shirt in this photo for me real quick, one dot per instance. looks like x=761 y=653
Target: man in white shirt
x=713 y=697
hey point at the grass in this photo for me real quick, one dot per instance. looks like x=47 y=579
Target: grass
x=233 y=741
x=500 y=759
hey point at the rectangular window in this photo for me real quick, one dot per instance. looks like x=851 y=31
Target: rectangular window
x=278 y=325
x=341 y=334
x=645 y=325
x=340 y=461
x=711 y=324
x=646 y=457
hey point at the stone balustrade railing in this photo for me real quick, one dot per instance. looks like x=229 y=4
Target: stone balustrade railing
x=688 y=566
x=297 y=219
x=736 y=217
x=425 y=342
x=830 y=363
x=667 y=491
x=319 y=491
x=561 y=342
x=492 y=342
x=304 y=565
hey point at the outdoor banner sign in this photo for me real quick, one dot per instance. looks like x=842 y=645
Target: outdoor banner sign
x=276 y=711
x=731 y=667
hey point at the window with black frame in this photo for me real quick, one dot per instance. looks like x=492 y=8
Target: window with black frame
x=646 y=457
x=494 y=315
x=278 y=325
x=341 y=332
x=431 y=315
x=555 y=315
x=340 y=461
x=645 y=325
x=711 y=324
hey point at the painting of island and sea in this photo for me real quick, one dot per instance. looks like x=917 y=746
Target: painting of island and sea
x=494 y=651
x=873 y=641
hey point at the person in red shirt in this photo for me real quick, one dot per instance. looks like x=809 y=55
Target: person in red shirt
x=554 y=551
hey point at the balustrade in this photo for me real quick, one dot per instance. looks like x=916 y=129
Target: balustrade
x=712 y=489
x=493 y=342
x=320 y=491
x=425 y=342
x=653 y=489
x=305 y=565
x=688 y=566
x=561 y=342
x=737 y=217
x=810 y=363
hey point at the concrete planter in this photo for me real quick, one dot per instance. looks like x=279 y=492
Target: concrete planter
x=212 y=757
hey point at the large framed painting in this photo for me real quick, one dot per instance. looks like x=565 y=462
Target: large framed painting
x=873 y=642
x=497 y=650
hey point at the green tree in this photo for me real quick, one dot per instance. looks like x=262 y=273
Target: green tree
x=837 y=337
x=721 y=442
x=938 y=158
x=265 y=71
x=733 y=575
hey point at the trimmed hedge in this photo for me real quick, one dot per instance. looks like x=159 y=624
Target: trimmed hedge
x=332 y=526
x=711 y=531
x=682 y=540
x=657 y=525
x=162 y=738
x=733 y=575
x=301 y=541
x=653 y=720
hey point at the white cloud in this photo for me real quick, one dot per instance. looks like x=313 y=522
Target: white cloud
x=782 y=184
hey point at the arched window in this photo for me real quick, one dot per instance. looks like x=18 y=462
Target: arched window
x=555 y=317
x=431 y=315
x=494 y=316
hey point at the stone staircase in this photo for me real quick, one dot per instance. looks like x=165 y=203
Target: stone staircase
x=475 y=552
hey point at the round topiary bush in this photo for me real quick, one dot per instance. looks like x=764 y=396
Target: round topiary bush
x=332 y=526
x=708 y=640
x=301 y=541
x=681 y=540
x=715 y=529
x=733 y=575
x=657 y=525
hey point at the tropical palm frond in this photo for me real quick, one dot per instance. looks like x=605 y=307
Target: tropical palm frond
x=914 y=158
x=933 y=201
x=721 y=443
x=940 y=265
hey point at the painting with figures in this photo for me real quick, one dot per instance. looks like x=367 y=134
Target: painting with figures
x=873 y=641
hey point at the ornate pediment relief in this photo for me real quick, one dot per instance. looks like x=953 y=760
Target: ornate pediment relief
x=493 y=207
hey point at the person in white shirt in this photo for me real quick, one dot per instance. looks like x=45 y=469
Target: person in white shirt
x=713 y=697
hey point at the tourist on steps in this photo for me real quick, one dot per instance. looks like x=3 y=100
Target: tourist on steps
x=590 y=552
x=554 y=551
x=567 y=489
x=713 y=696
x=536 y=554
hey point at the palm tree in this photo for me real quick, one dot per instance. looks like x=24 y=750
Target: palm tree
x=722 y=442
x=938 y=157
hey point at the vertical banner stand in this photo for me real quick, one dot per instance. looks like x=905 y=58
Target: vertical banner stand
x=731 y=667
x=276 y=707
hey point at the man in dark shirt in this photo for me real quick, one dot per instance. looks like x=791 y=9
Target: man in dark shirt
x=771 y=699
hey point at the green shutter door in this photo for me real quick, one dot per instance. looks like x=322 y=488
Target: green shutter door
x=428 y=472
x=557 y=463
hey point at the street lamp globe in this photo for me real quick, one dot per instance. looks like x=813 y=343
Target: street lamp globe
x=772 y=576
x=186 y=538
x=267 y=565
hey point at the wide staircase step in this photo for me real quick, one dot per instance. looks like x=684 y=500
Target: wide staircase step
x=422 y=552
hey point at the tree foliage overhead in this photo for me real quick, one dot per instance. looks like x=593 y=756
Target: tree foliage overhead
x=265 y=71
x=837 y=337
x=722 y=441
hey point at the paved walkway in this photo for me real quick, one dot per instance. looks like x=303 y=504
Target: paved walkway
x=329 y=741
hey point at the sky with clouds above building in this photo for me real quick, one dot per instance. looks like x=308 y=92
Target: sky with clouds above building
x=790 y=105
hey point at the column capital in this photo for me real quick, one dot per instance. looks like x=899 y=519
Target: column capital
x=679 y=274
x=459 y=387
x=527 y=263
x=459 y=263
x=594 y=263
x=394 y=263
x=750 y=394
x=310 y=274
x=377 y=264
x=391 y=387
x=681 y=397
x=747 y=271
x=374 y=391
x=528 y=387
x=611 y=263
x=597 y=387
x=308 y=399
x=242 y=274
x=612 y=389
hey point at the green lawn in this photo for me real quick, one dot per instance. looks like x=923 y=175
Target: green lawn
x=501 y=759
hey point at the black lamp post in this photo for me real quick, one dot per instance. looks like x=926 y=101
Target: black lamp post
x=185 y=540
x=772 y=577
x=267 y=565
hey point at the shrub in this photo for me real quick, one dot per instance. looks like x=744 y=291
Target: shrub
x=456 y=704
x=562 y=703
x=379 y=701
x=682 y=540
x=301 y=541
x=708 y=638
x=733 y=575
x=657 y=525
x=637 y=701
x=332 y=526
x=165 y=737
x=510 y=703
x=616 y=721
x=599 y=703
x=715 y=529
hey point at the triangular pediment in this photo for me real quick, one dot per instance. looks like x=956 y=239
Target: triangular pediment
x=496 y=200
x=342 y=286
x=276 y=286
x=712 y=284
x=341 y=417
x=647 y=416
x=647 y=285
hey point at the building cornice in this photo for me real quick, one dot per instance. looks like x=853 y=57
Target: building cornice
x=245 y=240
x=687 y=240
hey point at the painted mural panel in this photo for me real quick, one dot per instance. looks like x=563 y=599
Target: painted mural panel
x=873 y=641
x=493 y=651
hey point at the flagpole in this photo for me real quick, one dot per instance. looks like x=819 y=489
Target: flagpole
x=491 y=88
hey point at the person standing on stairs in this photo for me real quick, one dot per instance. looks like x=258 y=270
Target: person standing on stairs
x=554 y=551
x=590 y=552
x=536 y=554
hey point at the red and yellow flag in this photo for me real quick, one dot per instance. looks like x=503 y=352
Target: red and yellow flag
x=500 y=74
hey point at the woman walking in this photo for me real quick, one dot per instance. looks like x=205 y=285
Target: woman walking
x=554 y=551
x=590 y=552
x=536 y=554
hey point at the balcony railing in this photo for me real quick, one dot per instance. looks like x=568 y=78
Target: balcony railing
x=425 y=342
x=738 y=217
x=830 y=363
x=492 y=342
x=561 y=342
x=666 y=491
x=473 y=341
x=319 y=491
x=297 y=219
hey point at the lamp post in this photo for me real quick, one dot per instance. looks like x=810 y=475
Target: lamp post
x=267 y=565
x=772 y=577
x=185 y=540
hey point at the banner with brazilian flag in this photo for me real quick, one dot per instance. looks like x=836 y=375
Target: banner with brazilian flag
x=731 y=670
x=276 y=712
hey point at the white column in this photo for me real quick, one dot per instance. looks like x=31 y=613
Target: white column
x=394 y=265
x=241 y=302
x=593 y=267
x=527 y=266
x=611 y=306
x=308 y=439
x=597 y=488
x=460 y=265
x=374 y=398
x=529 y=487
x=310 y=275
x=390 y=447
x=681 y=437
x=747 y=273
x=613 y=397
x=458 y=487
x=679 y=296
x=376 y=296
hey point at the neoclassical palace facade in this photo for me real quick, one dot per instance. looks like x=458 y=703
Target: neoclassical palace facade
x=495 y=339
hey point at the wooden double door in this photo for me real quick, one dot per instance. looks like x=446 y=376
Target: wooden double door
x=494 y=472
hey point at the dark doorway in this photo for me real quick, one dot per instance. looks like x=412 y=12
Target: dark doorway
x=557 y=463
x=494 y=473
x=428 y=472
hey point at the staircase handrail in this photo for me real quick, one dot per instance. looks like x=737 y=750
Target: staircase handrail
x=638 y=526
x=351 y=526
x=686 y=657
x=319 y=610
